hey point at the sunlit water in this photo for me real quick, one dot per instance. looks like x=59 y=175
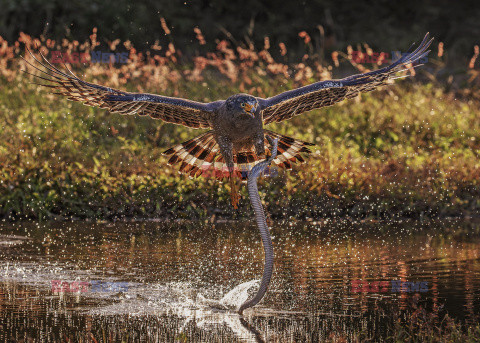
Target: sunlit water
x=153 y=281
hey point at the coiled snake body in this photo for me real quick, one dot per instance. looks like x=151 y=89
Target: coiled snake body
x=262 y=226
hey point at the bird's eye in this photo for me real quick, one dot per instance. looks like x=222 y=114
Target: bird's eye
x=243 y=104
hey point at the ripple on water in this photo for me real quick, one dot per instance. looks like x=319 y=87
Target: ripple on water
x=169 y=269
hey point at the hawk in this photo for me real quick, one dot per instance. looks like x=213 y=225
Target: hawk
x=236 y=139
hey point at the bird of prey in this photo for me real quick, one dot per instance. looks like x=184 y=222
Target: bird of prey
x=236 y=139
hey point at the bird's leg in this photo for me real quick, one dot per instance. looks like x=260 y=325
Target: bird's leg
x=234 y=195
x=226 y=148
x=271 y=141
x=259 y=146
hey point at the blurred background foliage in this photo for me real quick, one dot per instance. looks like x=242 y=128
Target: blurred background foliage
x=389 y=24
x=409 y=150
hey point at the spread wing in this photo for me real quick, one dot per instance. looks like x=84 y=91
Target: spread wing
x=325 y=93
x=172 y=110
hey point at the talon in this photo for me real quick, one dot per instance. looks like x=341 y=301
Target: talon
x=234 y=195
x=235 y=198
x=270 y=140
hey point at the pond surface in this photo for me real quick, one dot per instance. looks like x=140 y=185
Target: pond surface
x=145 y=281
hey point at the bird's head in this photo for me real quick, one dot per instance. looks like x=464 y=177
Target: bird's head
x=242 y=104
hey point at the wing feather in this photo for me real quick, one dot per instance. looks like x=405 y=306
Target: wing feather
x=172 y=110
x=326 y=93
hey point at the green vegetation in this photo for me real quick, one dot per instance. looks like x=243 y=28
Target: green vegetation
x=408 y=150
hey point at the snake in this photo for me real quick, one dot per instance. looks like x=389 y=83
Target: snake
x=262 y=226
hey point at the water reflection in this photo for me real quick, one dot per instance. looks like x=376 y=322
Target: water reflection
x=169 y=267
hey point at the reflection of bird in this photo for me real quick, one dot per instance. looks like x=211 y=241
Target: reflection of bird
x=236 y=139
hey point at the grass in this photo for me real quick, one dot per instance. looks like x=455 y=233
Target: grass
x=407 y=150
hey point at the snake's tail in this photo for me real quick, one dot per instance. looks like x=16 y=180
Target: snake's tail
x=262 y=226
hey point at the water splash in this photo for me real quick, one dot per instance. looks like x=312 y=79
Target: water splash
x=233 y=299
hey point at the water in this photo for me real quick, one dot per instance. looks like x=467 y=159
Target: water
x=146 y=281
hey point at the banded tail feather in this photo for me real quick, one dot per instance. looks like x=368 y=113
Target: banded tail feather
x=289 y=149
x=201 y=156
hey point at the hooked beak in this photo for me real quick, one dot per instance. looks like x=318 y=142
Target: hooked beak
x=250 y=109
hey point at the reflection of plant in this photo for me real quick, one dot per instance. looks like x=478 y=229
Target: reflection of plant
x=419 y=325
